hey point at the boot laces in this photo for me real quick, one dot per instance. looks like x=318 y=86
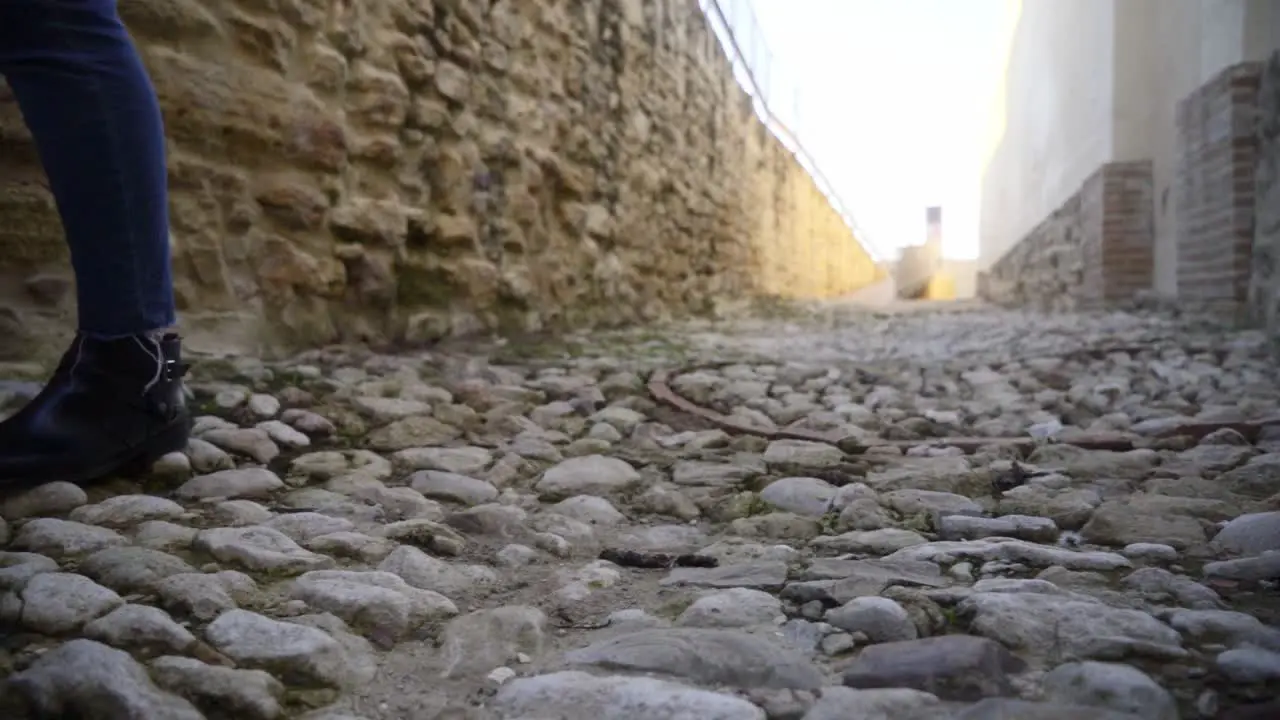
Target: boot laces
x=148 y=345
x=156 y=354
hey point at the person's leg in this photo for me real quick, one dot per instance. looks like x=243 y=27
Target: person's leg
x=88 y=102
x=116 y=398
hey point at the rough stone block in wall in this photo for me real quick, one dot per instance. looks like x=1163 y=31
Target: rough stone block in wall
x=1095 y=250
x=1264 y=287
x=1216 y=162
x=409 y=169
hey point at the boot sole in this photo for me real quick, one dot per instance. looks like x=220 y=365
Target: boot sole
x=172 y=438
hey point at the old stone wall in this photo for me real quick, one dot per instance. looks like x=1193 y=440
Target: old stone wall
x=1096 y=249
x=1216 y=161
x=1046 y=269
x=1264 y=286
x=414 y=168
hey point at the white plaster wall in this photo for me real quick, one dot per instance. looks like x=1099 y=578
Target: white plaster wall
x=1165 y=49
x=1158 y=62
x=1144 y=56
x=1052 y=121
x=1261 y=29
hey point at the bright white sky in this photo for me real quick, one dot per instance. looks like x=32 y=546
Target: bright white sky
x=894 y=101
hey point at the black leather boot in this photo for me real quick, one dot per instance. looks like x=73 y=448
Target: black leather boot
x=111 y=407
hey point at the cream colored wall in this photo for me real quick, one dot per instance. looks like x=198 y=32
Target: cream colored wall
x=1165 y=50
x=1051 y=125
x=1150 y=79
x=965 y=275
x=1151 y=54
x=917 y=264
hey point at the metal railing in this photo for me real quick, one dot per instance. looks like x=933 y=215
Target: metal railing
x=776 y=102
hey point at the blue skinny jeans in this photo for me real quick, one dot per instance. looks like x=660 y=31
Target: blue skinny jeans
x=88 y=102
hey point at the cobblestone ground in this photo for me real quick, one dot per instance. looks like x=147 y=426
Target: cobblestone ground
x=521 y=531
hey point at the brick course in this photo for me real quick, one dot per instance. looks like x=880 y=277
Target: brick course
x=1215 y=166
x=1127 y=255
x=1264 y=290
x=1095 y=250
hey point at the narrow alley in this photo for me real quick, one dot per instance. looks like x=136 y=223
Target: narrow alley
x=819 y=512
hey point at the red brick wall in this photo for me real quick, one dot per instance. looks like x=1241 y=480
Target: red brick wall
x=1216 y=161
x=1128 y=231
x=1095 y=250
